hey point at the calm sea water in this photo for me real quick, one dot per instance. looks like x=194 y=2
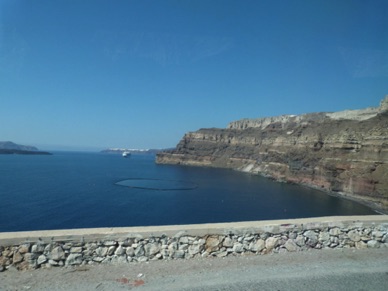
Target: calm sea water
x=77 y=190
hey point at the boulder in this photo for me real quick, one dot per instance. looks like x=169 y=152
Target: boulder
x=195 y=249
x=228 y=242
x=151 y=249
x=17 y=258
x=57 y=254
x=271 y=243
x=354 y=235
x=373 y=244
x=101 y=251
x=41 y=259
x=291 y=246
x=212 y=243
x=74 y=259
x=238 y=248
x=257 y=246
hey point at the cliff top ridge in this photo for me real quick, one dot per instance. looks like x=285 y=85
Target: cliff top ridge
x=358 y=114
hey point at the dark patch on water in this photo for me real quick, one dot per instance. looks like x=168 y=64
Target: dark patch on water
x=157 y=184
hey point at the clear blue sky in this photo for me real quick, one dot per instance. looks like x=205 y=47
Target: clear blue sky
x=139 y=74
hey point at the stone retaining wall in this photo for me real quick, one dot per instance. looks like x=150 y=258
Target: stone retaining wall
x=29 y=250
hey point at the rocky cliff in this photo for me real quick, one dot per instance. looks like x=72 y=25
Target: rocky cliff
x=344 y=152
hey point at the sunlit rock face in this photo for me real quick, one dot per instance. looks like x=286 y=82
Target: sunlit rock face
x=344 y=152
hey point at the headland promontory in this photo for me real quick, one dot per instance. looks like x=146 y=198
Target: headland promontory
x=9 y=148
x=344 y=153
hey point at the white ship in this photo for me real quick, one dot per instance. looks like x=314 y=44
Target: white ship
x=126 y=154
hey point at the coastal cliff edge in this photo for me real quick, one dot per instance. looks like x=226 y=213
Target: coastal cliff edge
x=344 y=153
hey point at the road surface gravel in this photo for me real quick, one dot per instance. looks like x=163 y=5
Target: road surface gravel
x=344 y=269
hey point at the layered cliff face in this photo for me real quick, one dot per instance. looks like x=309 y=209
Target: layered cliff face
x=344 y=152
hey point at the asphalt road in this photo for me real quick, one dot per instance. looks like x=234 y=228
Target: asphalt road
x=311 y=270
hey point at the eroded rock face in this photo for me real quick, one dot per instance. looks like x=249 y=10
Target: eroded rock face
x=345 y=152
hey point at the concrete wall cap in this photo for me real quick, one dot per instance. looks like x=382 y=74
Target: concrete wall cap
x=121 y=233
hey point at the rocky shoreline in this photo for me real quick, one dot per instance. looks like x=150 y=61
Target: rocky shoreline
x=342 y=153
x=22 y=152
x=374 y=205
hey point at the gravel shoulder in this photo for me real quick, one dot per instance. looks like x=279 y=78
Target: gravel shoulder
x=345 y=269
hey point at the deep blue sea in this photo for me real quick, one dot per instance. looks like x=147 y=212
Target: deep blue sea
x=81 y=190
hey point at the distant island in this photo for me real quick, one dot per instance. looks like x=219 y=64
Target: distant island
x=9 y=148
x=133 y=151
